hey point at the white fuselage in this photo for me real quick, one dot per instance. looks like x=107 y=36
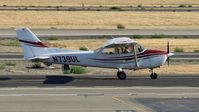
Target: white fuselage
x=119 y=53
x=94 y=59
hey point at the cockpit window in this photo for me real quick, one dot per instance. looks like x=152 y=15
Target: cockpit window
x=122 y=49
x=138 y=48
x=118 y=50
x=109 y=51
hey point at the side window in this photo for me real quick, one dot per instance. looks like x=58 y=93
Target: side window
x=117 y=50
x=124 y=50
x=108 y=51
x=127 y=49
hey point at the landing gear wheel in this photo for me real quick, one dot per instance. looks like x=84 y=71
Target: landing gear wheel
x=121 y=75
x=65 y=68
x=154 y=76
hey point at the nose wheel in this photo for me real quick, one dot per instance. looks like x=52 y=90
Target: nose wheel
x=153 y=75
x=121 y=75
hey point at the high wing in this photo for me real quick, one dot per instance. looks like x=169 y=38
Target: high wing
x=121 y=41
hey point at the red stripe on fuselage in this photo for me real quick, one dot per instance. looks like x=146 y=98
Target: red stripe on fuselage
x=35 y=44
x=146 y=53
x=153 y=51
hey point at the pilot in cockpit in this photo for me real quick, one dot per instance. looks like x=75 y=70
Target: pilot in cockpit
x=126 y=50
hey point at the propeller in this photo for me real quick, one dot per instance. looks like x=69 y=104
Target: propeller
x=168 y=51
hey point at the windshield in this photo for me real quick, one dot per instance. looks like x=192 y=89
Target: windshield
x=139 y=48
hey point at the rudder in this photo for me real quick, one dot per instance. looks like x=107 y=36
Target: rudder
x=31 y=45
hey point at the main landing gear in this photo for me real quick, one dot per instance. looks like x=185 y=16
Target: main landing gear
x=153 y=75
x=121 y=74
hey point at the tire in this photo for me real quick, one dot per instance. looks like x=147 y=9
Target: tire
x=121 y=75
x=154 y=76
x=65 y=67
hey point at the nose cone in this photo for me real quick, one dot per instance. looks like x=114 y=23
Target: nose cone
x=170 y=54
x=157 y=57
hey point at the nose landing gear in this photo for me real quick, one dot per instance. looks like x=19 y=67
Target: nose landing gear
x=153 y=75
x=121 y=75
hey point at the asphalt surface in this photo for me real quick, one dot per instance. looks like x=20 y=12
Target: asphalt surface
x=93 y=81
x=97 y=8
x=98 y=99
x=102 y=33
x=171 y=104
x=30 y=93
x=177 y=56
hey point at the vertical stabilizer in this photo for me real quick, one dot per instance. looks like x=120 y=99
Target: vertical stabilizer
x=31 y=45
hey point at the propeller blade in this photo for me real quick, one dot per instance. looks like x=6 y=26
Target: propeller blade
x=168 y=49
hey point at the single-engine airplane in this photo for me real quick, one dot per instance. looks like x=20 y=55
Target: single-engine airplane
x=118 y=53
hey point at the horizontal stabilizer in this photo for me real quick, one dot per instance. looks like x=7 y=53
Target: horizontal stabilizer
x=38 y=58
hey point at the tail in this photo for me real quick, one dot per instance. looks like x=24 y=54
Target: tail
x=32 y=47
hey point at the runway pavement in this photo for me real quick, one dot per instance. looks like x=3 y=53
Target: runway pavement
x=98 y=8
x=97 y=93
x=102 y=33
x=137 y=99
x=96 y=81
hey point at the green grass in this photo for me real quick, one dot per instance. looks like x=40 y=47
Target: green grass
x=196 y=51
x=160 y=36
x=36 y=65
x=189 y=5
x=139 y=6
x=52 y=38
x=12 y=43
x=138 y=36
x=177 y=49
x=10 y=64
x=115 y=8
x=2 y=66
x=83 y=48
x=182 y=5
x=67 y=71
x=76 y=70
x=120 y=26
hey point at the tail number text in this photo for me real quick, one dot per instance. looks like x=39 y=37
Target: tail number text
x=61 y=59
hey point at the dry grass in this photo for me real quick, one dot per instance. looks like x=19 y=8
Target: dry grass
x=63 y=19
x=97 y=2
x=21 y=69
x=171 y=70
x=189 y=45
x=9 y=49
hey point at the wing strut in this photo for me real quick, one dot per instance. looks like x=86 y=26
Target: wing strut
x=135 y=56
